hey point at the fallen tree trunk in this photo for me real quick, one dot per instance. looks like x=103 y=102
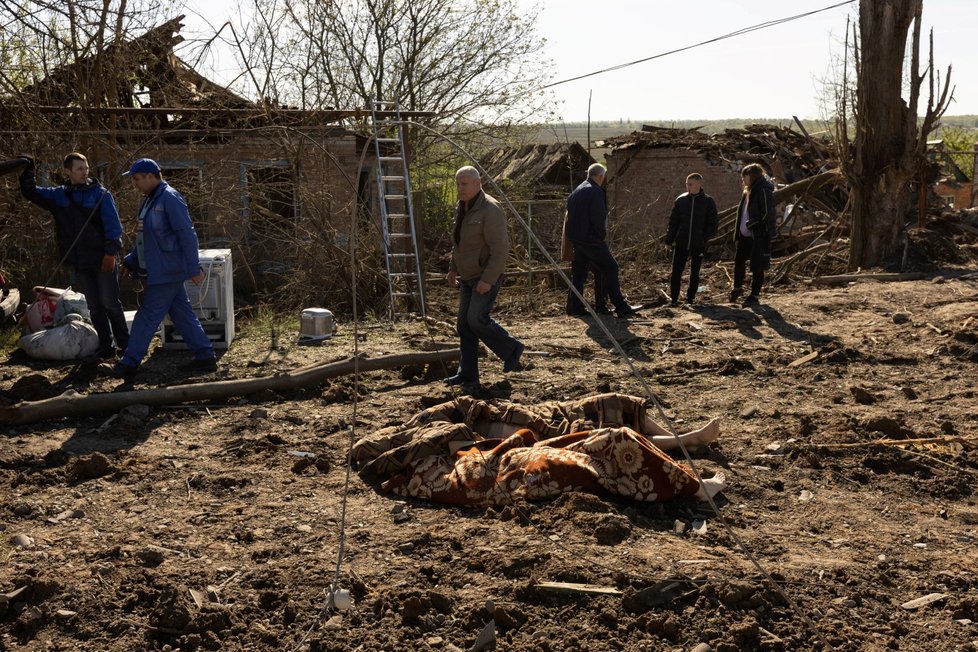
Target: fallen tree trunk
x=885 y=277
x=76 y=405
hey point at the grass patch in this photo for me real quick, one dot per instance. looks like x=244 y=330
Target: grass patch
x=9 y=334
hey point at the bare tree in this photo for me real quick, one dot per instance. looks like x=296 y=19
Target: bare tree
x=474 y=60
x=39 y=37
x=888 y=148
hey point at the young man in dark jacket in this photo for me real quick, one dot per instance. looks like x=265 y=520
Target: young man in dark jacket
x=756 y=227
x=691 y=225
x=587 y=226
x=89 y=238
x=166 y=255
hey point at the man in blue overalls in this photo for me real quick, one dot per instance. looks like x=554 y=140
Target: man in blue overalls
x=166 y=256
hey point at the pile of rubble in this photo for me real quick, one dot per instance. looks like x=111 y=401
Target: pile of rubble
x=790 y=156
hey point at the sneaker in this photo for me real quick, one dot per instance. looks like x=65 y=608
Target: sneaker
x=118 y=370
x=735 y=294
x=513 y=362
x=206 y=366
x=752 y=300
x=674 y=303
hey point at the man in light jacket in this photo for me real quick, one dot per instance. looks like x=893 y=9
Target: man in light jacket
x=480 y=245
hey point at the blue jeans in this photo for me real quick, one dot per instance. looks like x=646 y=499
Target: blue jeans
x=474 y=323
x=163 y=298
x=101 y=290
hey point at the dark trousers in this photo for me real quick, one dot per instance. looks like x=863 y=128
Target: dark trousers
x=745 y=252
x=679 y=257
x=101 y=290
x=475 y=323
x=597 y=257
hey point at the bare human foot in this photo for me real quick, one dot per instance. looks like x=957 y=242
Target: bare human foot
x=701 y=437
x=705 y=435
x=710 y=487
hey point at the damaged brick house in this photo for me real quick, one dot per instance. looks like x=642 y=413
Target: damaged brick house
x=954 y=185
x=257 y=178
x=647 y=169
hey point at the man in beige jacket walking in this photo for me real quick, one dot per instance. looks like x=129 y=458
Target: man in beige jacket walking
x=480 y=245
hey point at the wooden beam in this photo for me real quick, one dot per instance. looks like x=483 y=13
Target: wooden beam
x=77 y=405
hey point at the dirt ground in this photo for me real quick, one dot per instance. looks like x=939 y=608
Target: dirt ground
x=205 y=527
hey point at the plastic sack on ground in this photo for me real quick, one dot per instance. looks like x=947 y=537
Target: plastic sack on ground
x=69 y=303
x=72 y=340
x=40 y=313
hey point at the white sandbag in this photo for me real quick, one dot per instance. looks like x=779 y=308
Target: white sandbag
x=40 y=313
x=71 y=303
x=72 y=340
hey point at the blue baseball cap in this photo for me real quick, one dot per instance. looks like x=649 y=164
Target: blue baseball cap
x=144 y=165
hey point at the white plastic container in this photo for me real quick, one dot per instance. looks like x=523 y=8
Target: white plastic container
x=316 y=324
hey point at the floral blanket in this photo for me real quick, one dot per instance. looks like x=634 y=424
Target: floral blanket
x=471 y=452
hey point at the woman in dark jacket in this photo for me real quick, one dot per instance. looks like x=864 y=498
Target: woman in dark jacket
x=756 y=226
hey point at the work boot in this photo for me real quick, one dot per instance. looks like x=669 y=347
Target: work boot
x=465 y=384
x=627 y=310
x=118 y=370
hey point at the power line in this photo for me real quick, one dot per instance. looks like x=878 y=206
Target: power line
x=744 y=30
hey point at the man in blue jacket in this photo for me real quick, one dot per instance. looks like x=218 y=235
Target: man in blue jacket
x=587 y=226
x=692 y=223
x=89 y=238
x=165 y=255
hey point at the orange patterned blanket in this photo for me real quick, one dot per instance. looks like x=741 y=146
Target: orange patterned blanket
x=470 y=452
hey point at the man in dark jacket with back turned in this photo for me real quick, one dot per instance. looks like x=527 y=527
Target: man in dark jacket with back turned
x=587 y=226
x=89 y=237
x=691 y=225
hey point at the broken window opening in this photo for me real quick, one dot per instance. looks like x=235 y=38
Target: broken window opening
x=270 y=213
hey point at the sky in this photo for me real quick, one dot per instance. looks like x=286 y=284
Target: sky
x=775 y=72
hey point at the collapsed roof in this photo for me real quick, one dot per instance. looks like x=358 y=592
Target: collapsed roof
x=141 y=83
x=556 y=164
x=787 y=154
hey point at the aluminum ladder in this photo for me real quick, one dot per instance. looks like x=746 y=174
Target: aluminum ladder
x=405 y=280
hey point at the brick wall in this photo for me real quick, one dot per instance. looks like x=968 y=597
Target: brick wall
x=644 y=183
x=211 y=173
x=961 y=193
